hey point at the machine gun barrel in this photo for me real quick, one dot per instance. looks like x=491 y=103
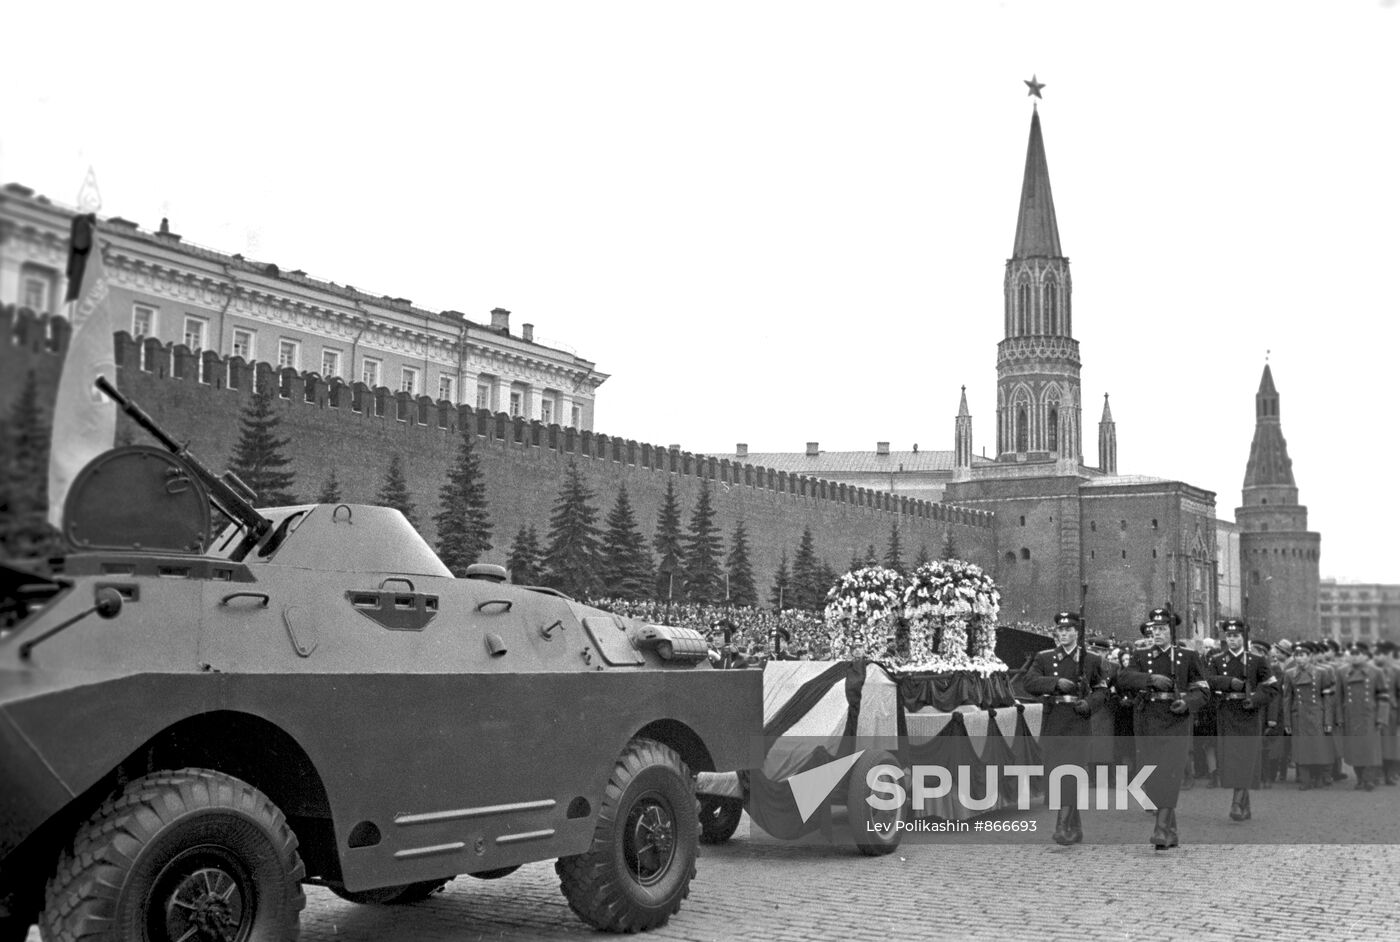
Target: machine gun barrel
x=228 y=493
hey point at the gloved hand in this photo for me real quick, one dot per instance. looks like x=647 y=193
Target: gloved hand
x=1271 y=723
x=1236 y=685
x=1161 y=682
x=1082 y=708
x=1065 y=685
x=1178 y=707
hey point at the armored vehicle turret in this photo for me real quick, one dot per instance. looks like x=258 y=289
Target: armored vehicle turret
x=192 y=728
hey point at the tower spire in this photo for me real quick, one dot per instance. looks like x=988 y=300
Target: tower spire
x=1108 y=441
x=1269 y=465
x=962 y=437
x=1037 y=234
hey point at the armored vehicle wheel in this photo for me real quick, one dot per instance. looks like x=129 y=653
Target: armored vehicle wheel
x=184 y=855
x=719 y=818
x=642 y=859
x=876 y=832
x=391 y=895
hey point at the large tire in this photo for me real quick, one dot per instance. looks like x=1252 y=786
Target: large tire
x=176 y=851
x=719 y=818
x=642 y=859
x=391 y=895
x=870 y=840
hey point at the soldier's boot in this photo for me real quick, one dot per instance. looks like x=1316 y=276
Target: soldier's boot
x=1390 y=777
x=1244 y=803
x=1161 y=837
x=1237 y=805
x=1368 y=776
x=1075 y=831
x=1063 y=826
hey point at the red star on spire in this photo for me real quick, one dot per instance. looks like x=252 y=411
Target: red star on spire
x=1034 y=87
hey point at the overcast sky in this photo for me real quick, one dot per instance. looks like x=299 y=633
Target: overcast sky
x=776 y=223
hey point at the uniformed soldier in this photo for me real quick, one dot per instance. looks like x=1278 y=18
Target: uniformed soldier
x=1170 y=685
x=1278 y=745
x=1332 y=662
x=1311 y=714
x=1242 y=683
x=1365 y=713
x=1390 y=737
x=1074 y=684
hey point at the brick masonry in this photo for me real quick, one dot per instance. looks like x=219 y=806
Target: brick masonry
x=355 y=430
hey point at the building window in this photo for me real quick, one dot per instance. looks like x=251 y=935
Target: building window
x=1025 y=553
x=287 y=351
x=483 y=397
x=1023 y=310
x=1092 y=554
x=516 y=401
x=243 y=343
x=1125 y=553
x=1154 y=553
x=194 y=333
x=1023 y=521
x=408 y=380
x=1093 y=527
x=143 y=320
x=1010 y=556
x=36 y=295
x=546 y=412
x=1052 y=314
x=1154 y=523
x=575 y=417
x=1254 y=577
x=1054 y=429
x=445 y=388
x=369 y=374
x=1123 y=525
x=330 y=363
x=1022 y=433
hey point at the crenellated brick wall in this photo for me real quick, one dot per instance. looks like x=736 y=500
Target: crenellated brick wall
x=355 y=429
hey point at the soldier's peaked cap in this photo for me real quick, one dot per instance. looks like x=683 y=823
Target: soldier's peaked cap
x=1360 y=647
x=1068 y=619
x=1233 y=624
x=1162 y=616
x=1145 y=628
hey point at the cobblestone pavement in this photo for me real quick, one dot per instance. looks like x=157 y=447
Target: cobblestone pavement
x=1327 y=870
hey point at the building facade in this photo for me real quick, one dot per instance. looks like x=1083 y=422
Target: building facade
x=1367 y=612
x=182 y=294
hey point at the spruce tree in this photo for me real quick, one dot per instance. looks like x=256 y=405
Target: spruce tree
x=330 y=490
x=627 y=570
x=871 y=559
x=742 y=590
x=780 y=596
x=525 y=563
x=856 y=561
x=258 y=457
x=463 y=520
x=950 y=549
x=827 y=580
x=667 y=543
x=393 y=491
x=806 y=575
x=894 y=552
x=24 y=479
x=704 y=581
x=571 y=559
x=922 y=556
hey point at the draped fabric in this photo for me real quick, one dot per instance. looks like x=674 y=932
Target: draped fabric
x=948 y=690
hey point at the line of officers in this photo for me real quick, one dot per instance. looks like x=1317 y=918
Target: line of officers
x=1311 y=699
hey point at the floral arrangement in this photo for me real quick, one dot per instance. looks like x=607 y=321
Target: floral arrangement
x=951 y=607
x=863 y=610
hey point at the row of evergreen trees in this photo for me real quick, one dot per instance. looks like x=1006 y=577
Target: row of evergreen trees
x=579 y=558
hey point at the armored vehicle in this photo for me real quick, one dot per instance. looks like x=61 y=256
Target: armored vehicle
x=190 y=730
